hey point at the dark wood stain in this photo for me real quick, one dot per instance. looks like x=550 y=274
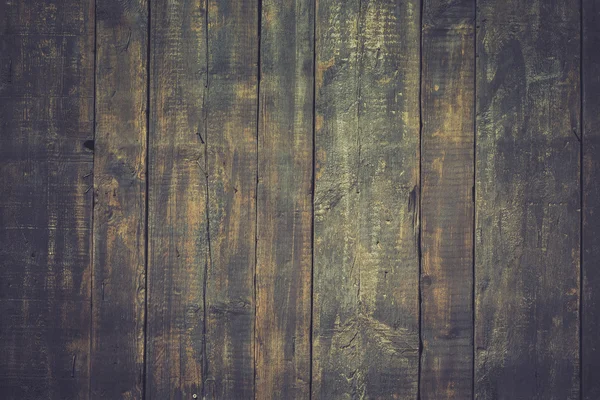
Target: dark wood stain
x=299 y=199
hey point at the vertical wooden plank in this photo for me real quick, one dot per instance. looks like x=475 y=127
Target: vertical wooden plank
x=230 y=135
x=117 y=352
x=366 y=324
x=527 y=200
x=284 y=230
x=46 y=114
x=448 y=70
x=177 y=229
x=202 y=197
x=590 y=314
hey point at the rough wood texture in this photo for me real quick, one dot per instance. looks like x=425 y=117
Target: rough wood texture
x=118 y=296
x=366 y=324
x=284 y=224
x=46 y=116
x=202 y=200
x=178 y=251
x=447 y=100
x=590 y=324
x=527 y=200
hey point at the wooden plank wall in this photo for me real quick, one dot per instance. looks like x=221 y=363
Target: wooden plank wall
x=299 y=199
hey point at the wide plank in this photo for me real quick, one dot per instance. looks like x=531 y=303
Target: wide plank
x=46 y=120
x=203 y=169
x=527 y=200
x=366 y=232
x=284 y=205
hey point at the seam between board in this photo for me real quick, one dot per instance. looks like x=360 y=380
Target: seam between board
x=92 y=263
x=147 y=198
x=255 y=294
x=313 y=183
x=420 y=194
x=208 y=257
x=581 y=193
x=474 y=193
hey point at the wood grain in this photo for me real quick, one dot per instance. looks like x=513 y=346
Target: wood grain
x=299 y=199
x=46 y=117
x=590 y=314
x=366 y=259
x=447 y=101
x=527 y=200
x=118 y=297
x=284 y=227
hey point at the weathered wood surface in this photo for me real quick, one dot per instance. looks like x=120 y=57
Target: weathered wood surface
x=366 y=260
x=447 y=136
x=590 y=268
x=46 y=117
x=345 y=199
x=527 y=200
x=284 y=223
x=118 y=295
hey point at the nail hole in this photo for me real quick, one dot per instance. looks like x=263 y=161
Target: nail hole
x=89 y=144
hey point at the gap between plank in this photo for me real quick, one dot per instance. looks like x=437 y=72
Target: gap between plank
x=92 y=263
x=474 y=348
x=420 y=192
x=313 y=178
x=581 y=183
x=258 y=74
x=147 y=199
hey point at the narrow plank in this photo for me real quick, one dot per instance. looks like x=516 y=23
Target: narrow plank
x=117 y=352
x=177 y=227
x=284 y=224
x=366 y=261
x=202 y=197
x=230 y=135
x=590 y=314
x=46 y=109
x=527 y=200
x=447 y=104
